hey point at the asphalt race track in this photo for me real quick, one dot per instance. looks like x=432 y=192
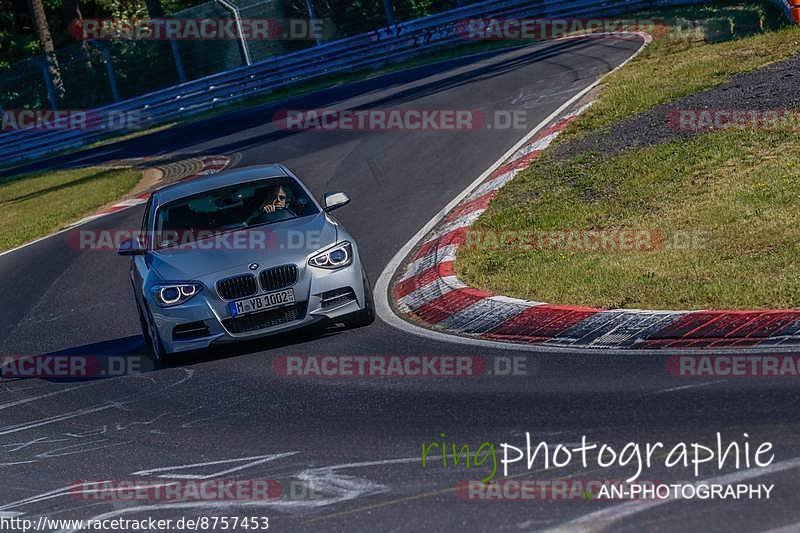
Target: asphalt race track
x=357 y=441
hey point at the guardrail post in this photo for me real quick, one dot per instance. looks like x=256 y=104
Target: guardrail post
x=245 y=47
x=112 y=76
x=311 y=15
x=48 y=82
x=387 y=7
x=176 y=54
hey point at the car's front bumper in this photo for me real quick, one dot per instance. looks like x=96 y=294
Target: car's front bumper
x=208 y=319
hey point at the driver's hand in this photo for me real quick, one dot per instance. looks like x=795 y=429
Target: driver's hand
x=268 y=208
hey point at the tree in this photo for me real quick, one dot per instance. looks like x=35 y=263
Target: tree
x=72 y=13
x=154 y=9
x=46 y=40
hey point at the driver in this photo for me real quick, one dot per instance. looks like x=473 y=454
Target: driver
x=275 y=200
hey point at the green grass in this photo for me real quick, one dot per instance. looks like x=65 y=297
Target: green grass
x=33 y=205
x=674 y=67
x=739 y=192
x=736 y=192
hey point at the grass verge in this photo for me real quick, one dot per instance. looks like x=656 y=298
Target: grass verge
x=671 y=68
x=33 y=205
x=734 y=194
x=726 y=203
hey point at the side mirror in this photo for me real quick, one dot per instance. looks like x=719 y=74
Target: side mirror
x=335 y=200
x=130 y=247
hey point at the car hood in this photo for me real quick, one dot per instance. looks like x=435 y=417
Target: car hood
x=231 y=253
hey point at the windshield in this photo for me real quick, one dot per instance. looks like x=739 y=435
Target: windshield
x=230 y=208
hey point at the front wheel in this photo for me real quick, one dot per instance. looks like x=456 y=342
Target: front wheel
x=365 y=316
x=153 y=342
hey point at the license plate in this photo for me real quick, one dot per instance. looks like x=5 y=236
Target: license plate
x=261 y=302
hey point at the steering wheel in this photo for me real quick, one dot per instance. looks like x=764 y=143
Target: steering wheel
x=260 y=215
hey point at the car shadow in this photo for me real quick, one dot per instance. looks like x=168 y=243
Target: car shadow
x=129 y=355
x=228 y=350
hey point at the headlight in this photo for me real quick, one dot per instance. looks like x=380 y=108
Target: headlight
x=338 y=256
x=175 y=294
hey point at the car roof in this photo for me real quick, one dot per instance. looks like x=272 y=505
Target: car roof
x=182 y=189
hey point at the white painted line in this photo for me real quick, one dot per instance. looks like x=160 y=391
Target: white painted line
x=249 y=463
x=129 y=203
x=40 y=239
x=791 y=528
x=684 y=387
x=49 y=495
x=516 y=301
x=16 y=428
x=463 y=221
x=16 y=403
x=481 y=316
x=492 y=185
x=437 y=256
x=430 y=291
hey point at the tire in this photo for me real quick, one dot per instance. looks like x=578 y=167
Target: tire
x=144 y=326
x=152 y=339
x=365 y=316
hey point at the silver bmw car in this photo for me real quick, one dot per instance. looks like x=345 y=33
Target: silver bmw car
x=242 y=254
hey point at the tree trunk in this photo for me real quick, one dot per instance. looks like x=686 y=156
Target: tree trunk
x=43 y=33
x=72 y=12
x=154 y=9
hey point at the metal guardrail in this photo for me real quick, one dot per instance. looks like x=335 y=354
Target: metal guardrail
x=369 y=50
